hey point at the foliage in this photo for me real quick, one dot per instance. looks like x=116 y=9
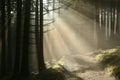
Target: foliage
x=110 y=59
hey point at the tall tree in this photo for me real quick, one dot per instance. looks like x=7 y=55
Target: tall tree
x=39 y=37
x=37 y=34
x=41 y=54
x=9 y=39
x=18 y=37
x=3 y=38
x=25 y=47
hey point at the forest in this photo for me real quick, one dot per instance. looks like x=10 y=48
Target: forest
x=59 y=40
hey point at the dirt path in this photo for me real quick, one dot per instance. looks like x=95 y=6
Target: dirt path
x=86 y=67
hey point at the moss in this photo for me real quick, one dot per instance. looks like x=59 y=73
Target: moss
x=110 y=69
x=110 y=60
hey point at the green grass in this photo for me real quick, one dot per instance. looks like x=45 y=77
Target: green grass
x=110 y=60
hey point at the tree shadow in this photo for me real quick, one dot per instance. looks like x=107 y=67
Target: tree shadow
x=60 y=73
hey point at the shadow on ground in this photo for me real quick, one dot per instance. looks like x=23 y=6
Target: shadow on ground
x=60 y=73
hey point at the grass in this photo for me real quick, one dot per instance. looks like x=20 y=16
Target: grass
x=110 y=60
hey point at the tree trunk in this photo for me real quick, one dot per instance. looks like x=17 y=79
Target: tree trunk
x=18 y=37
x=9 y=39
x=25 y=62
x=3 y=38
x=41 y=54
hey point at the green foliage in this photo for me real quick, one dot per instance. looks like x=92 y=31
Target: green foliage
x=55 y=63
x=110 y=59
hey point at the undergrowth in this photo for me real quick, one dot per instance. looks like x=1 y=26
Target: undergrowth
x=49 y=74
x=52 y=73
x=57 y=71
x=110 y=60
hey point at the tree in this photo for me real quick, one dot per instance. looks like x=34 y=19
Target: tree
x=18 y=37
x=9 y=43
x=3 y=38
x=25 y=47
x=41 y=53
x=14 y=36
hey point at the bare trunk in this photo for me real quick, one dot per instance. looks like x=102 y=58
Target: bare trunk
x=3 y=38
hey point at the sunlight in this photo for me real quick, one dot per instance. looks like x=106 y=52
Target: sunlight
x=44 y=1
x=72 y=35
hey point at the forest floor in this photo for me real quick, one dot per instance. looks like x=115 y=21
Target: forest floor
x=72 y=39
x=86 y=67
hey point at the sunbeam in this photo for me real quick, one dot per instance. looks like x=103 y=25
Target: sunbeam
x=72 y=35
